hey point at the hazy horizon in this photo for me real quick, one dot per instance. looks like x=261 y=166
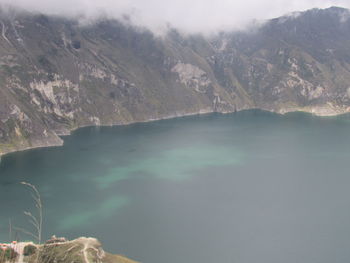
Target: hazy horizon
x=203 y=16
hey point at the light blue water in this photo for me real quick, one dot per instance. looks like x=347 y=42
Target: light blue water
x=245 y=188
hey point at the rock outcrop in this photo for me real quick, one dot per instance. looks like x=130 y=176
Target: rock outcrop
x=81 y=250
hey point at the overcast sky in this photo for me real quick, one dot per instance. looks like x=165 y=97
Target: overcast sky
x=188 y=15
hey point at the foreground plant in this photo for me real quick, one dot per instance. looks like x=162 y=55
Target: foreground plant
x=35 y=220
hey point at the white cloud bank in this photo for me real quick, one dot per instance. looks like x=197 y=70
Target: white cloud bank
x=188 y=15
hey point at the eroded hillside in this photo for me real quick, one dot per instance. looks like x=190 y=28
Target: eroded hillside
x=57 y=75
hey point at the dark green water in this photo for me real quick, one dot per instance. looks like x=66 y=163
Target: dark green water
x=242 y=188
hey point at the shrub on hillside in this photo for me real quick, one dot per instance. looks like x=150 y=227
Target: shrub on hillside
x=29 y=250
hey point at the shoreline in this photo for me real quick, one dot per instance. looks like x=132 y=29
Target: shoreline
x=320 y=111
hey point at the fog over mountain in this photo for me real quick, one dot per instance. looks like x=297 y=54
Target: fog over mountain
x=189 y=16
x=57 y=76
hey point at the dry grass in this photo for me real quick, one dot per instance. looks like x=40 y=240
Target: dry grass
x=82 y=250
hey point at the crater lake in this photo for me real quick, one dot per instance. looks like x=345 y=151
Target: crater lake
x=247 y=187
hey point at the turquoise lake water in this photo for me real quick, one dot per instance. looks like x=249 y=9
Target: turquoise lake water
x=240 y=188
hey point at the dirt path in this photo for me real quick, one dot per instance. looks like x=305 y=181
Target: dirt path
x=19 y=248
x=88 y=243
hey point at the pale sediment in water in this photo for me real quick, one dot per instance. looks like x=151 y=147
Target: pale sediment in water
x=197 y=187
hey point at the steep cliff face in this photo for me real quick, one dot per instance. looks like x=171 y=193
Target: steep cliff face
x=57 y=75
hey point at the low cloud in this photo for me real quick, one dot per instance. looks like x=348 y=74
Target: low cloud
x=190 y=16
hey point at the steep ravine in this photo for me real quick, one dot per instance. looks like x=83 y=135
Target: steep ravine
x=57 y=75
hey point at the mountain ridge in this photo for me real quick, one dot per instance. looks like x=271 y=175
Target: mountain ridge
x=57 y=75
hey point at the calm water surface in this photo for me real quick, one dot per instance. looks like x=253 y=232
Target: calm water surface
x=242 y=188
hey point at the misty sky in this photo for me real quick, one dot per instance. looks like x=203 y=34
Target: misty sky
x=188 y=15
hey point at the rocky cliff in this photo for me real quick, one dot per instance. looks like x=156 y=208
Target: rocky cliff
x=57 y=75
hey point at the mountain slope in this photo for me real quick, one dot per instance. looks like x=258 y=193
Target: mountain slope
x=57 y=75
